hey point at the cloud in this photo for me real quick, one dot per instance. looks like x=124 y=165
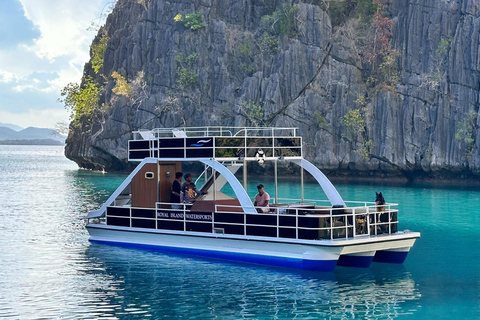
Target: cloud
x=45 y=118
x=37 y=81
x=35 y=67
x=62 y=25
x=7 y=77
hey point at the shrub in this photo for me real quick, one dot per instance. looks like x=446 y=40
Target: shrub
x=253 y=113
x=194 y=20
x=442 y=46
x=269 y=44
x=245 y=53
x=341 y=11
x=354 y=121
x=355 y=125
x=98 y=51
x=466 y=131
x=282 y=21
x=122 y=88
x=319 y=120
x=178 y=18
x=185 y=72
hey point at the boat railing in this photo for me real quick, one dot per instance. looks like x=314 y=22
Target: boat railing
x=303 y=222
x=216 y=131
x=328 y=204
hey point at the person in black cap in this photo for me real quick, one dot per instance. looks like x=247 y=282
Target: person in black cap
x=261 y=199
x=189 y=190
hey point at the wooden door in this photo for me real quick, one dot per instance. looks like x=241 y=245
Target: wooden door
x=166 y=177
x=145 y=187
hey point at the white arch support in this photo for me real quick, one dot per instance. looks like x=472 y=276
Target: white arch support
x=332 y=193
x=240 y=192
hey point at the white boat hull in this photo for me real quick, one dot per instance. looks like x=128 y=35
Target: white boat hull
x=302 y=254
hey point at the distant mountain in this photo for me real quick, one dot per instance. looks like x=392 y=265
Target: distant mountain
x=40 y=133
x=11 y=126
x=45 y=142
x=31 y=133
x=7 y=133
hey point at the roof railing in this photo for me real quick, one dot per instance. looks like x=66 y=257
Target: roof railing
x=215 y=131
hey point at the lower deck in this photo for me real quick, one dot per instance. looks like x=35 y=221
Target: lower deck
x=289 y=221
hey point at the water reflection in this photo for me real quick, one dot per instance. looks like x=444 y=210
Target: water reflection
x=150 y=283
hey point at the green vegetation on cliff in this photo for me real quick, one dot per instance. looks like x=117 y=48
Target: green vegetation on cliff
x=186 y=75
x=82 y=100
x=122 y=88
x=98 y=51
x=282 y=21
x=192 y=21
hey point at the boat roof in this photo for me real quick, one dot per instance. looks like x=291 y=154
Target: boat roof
x=217 y=142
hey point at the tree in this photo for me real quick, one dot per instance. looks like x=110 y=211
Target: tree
x=80 y=100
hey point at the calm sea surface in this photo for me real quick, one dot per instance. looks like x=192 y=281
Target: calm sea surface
x=49 y=269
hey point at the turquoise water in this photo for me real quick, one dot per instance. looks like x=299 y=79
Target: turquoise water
x=50 y=270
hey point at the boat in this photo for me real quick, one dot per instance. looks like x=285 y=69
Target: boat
x=296 y=233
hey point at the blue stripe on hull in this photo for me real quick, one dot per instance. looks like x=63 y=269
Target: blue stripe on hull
x=315 y=265
x=390 y=256
x=355 y=261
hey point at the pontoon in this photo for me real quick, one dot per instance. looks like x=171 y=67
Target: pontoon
x=299 y=233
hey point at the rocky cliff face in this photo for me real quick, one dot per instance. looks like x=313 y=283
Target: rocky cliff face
x=296 y=63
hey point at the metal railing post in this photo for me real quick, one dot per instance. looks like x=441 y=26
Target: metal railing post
x=296 y=224
x=367 y=217
x=278 y=223
x=213 y=218
x=389 y=219
x=331 y=224
x=244 y=223
x=354 y=223
x=184 y=218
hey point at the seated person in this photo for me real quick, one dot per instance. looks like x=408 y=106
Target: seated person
x=261 y=200
x=189 y=190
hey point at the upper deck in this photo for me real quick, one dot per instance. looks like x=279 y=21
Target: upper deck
x=220 y=143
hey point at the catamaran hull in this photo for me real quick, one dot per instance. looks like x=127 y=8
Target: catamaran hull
x=278 y=254
x=261 y=251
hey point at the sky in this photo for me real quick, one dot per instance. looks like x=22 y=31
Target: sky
x=44 y=45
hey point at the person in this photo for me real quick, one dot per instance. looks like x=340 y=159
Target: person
x=175 y=194
x=261 y=199
x=189 y=190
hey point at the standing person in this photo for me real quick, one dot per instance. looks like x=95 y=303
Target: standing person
x=261 y=199
x=175 y=194
x=189 y=190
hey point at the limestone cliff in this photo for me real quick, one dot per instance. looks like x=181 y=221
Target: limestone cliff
x=408 y=108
